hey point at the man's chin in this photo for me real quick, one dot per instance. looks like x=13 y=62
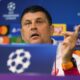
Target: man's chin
x=35 y=42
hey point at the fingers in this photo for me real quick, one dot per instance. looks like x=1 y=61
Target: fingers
x=67 y=34
x=73 y=34
x=77 y=29
x=71 y=37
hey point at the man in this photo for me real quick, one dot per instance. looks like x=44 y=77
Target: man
x=37 y=27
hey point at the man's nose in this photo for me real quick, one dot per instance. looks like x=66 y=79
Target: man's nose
x=33 y=27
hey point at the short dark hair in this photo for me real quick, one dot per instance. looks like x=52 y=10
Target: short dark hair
x=36 y=8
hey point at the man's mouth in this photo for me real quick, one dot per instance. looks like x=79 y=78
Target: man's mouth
x=34 y=35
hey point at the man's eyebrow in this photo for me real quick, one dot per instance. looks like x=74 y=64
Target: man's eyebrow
x=27 y=21
x=40 y=18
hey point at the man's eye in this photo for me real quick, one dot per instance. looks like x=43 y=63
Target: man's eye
x=40 y=22
x=27 y=23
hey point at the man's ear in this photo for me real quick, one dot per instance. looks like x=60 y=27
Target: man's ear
x=51 y=30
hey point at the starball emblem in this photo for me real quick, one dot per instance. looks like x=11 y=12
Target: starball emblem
x=11 y=7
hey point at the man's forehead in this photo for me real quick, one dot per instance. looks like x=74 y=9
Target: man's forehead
x=34 y=15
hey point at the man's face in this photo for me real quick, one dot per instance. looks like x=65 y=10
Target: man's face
x=35 y=28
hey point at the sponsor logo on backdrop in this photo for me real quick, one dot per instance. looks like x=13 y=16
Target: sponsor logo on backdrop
x=14 y=30
x=58 y=29
x=1 y=40
x=19 y=60
x=11 y=6
x=17 y=39
x=4 y=40
x=4 y=30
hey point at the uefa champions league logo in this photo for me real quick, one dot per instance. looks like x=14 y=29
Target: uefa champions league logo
x=11 y=7
x=18 y=61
